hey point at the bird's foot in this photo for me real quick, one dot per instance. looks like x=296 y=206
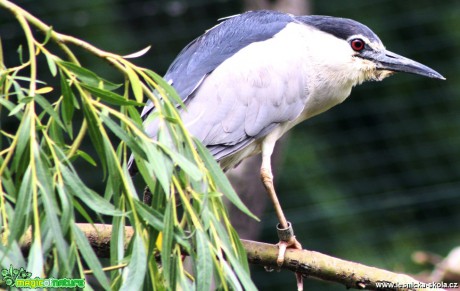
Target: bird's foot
x=288 y=241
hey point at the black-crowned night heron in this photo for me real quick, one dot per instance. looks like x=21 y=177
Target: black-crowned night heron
x=251 y=78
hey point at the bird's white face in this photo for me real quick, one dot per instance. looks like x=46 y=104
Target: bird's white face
x=324 y=64
x=335 y=66
x=367 y=68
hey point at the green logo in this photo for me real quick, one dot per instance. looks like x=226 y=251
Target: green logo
x=20 y=278
x=10 y=275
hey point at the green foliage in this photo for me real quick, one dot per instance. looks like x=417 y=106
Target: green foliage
x=42 y=191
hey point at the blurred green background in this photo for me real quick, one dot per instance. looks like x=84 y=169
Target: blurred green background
x=373 y=179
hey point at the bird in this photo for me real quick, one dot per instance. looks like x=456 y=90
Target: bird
x=253 y=76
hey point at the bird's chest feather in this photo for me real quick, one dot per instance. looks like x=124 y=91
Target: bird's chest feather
x=324 y=67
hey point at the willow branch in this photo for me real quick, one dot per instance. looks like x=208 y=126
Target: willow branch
x=58 y=37
x=320 y=266
x=309 y=263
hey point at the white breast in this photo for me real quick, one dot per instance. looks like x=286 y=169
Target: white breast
x=316 y=68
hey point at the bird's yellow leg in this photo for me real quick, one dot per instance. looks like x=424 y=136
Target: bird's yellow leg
x=285 y=231
x=267 y=179
x=284 y=228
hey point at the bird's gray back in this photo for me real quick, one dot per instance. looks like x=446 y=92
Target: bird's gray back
x=204 y=54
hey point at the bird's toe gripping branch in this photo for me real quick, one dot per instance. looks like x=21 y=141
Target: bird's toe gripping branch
x=287 y=240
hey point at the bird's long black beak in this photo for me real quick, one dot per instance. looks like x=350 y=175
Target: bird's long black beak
x=386 y=60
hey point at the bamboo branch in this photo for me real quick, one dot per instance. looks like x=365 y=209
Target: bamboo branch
x=309 y=263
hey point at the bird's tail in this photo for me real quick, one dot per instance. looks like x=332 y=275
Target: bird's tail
x=132 y=168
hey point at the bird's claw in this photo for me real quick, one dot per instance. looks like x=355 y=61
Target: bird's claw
x=293 y=243
x=288 y=240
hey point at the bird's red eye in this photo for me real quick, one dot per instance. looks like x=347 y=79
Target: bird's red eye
x=357 y=44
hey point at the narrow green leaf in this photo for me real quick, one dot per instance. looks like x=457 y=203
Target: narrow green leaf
x=162 y=169
x=56 y=133
x=239 y=248
x=45 y=178
x=205 y=214
x=86 y=157
x=135 y=116
x=92 y=199
x=67 y=105
x=166 y=86
x=82 y=210
x=137 y=267
x=11 y=254
x=123 y=135
x=66 y=206
x=49 y=109
x=243 y=276
x=166 y=250
x=21 y=60
x=117 y=248
x=155 y=219
x=26 y=100
x=183 y=240
x=221 y=181
x=150 y=215
x=236 y=267
x=135 y=84
x=175 y=273
x=51 y=64
x=109 y=96
x=23 y=136
x=130 y=189
x=8 y=184
x=48 y=35
x=222 y=234
x=87 y=76
x=90 y=257
x=35 y=258
x=10 y=106
x=18 y=90
x=203 y=262
x=230 y=275
x=184 y=281
x=27 y=79
x=22 y=207
x=187 y=166
x=95 y=134
x=83 y=74
x=114 y=175
x=17 y=109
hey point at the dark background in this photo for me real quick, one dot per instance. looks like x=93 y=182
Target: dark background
x=373 y=179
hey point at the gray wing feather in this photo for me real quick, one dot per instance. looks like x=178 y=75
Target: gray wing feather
x=200 y=58
x=233 y=93
x=245 y=97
